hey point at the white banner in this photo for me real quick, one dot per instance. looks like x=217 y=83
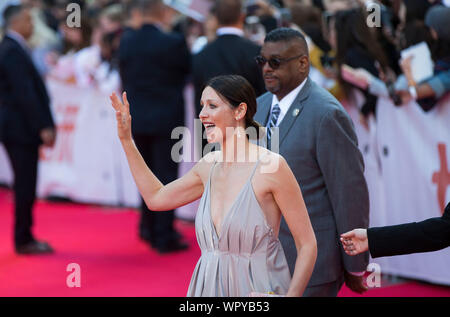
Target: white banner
x=407 y=154
x=414 y=148
x=87 y=163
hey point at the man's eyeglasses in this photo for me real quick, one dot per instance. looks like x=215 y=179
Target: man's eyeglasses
x=274 y=62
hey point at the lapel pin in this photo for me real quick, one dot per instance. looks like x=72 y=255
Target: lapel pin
x=295 y=112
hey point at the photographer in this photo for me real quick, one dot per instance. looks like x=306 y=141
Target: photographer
x=428 y=92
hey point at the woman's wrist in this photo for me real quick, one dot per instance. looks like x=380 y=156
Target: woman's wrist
x=293 y=293
x=127 y=142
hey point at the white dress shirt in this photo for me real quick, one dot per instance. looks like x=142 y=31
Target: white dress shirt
x=286 y=102
x=229 y=30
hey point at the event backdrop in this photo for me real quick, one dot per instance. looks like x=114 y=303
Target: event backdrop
x=406 y=153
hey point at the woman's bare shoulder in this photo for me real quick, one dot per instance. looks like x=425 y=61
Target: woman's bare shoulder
x=205 y=163
x=268 y=157
x=272 y=167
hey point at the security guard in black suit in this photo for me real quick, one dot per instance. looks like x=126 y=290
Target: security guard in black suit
x=25 y=121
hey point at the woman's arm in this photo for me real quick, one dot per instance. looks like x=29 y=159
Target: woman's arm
x=288 y=196
x=156 y=196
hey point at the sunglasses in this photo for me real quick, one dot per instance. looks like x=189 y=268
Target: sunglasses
x=274 y=62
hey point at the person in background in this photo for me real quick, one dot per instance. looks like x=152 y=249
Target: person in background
x=209 y=33
x=229 y=53
x=133 y=16
x=309 y=19
x=154 y=66
x=107 y=76
x=88 y=60
x=64 y=63
x=428 y=92
x=25 y=122
x=356 y=46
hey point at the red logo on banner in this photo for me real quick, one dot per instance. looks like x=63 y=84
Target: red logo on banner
x=442 y=177
x=62 y=151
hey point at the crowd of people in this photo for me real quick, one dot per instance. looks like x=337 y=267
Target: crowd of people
x=346 y=50
x=152 y=50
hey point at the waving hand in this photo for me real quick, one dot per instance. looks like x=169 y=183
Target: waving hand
x=123 y=116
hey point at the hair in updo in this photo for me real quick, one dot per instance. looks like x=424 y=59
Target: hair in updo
x=236 y=89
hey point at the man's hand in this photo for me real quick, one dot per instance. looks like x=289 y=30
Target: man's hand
x=48 y=136
x=355 y=242
x=355 y=283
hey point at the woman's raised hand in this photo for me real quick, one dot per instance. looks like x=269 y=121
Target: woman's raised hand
x=123 y=116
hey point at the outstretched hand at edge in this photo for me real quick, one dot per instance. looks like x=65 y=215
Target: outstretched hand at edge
x=355 y=242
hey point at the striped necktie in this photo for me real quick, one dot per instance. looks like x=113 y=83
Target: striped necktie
x=272 y=122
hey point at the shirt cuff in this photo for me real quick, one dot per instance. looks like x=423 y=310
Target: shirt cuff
x=358 y=273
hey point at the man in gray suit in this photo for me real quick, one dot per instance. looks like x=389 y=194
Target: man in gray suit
x=317 y=139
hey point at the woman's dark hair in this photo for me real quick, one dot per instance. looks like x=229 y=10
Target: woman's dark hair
x=415 y=32
x=86 y=34
x=354 y=34
x=416 y=9
x=358 y=47
x=236 y=89
x=309 y=19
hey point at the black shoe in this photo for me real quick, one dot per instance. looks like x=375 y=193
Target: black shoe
x=172 y=246
x=145 y=237
x=34 y=247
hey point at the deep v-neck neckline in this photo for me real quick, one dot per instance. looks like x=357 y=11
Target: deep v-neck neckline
x=225 y=217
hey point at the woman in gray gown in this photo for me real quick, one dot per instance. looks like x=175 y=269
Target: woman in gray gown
x=244 y=188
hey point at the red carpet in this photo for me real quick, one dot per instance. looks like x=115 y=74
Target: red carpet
x=113 y=261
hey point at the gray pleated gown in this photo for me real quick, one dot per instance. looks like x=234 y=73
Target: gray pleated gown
x=247 y=257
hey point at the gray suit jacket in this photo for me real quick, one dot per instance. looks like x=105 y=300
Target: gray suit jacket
x=319 y=143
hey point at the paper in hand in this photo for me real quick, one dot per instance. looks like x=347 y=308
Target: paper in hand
x=421 y=64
